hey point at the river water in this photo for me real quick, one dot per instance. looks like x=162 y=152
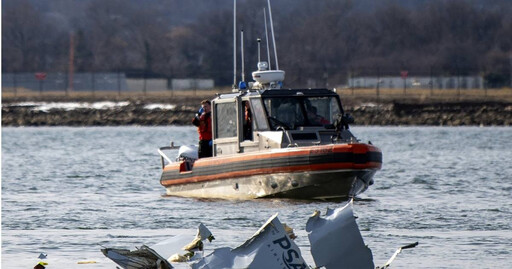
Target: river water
x=69 y=191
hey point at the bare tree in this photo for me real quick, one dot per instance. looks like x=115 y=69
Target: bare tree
x=23 y=31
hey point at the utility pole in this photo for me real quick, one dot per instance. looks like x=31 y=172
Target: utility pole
x=378 y=84
x=71 y=62
x=510 y=58
x=404 y=73
x=431 y=83
x=14 y=83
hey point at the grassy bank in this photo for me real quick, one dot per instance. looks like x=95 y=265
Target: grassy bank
x=348 y=95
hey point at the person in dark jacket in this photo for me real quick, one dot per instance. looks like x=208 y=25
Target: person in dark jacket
x=203 y=121
x=247 y=123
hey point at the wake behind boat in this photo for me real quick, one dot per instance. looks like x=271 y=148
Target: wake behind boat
x=272 y=142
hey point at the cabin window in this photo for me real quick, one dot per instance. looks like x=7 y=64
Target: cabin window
x=225 y=119
x=334 y=109
x=321 y=110
x=291 y=113
x=284 y=112
x=259 y=115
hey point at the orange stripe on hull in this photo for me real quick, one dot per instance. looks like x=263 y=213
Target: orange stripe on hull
x=287 y=169
x=252 y=156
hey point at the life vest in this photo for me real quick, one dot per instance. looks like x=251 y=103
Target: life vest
x=205 y=127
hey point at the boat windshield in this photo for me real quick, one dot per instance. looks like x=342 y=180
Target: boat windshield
x=293 y=112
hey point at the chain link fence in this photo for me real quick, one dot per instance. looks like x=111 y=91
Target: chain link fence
x=356 y=82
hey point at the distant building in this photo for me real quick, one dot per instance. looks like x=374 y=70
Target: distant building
x=59 y=81
x=192 y=84
x=148 y=84
x=463 y=82
x=99 y=82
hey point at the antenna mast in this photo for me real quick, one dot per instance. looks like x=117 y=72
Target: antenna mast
x=273 y=36
x=234 y=44
x=259 y=49
x=242 y=49
x=266 y=35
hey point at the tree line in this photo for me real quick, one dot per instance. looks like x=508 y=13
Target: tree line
x=325 y=40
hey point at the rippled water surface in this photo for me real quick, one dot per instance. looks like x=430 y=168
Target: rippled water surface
x=69 y=191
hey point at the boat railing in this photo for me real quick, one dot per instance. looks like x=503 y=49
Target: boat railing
x=163 y=156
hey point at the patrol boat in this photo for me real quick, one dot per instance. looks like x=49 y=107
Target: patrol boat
x=273 y=142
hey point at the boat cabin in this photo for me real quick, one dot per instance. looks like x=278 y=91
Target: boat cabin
x=255 y=120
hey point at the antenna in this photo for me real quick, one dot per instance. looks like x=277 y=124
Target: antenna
x=259 y=50
x=266 y=34
x=234 y=44
x=273 y=36
x=242 y=49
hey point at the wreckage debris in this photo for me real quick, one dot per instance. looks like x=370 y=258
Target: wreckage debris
x=269 y=247
x=335 y=239
x=153 y=256
x=338 y=231
x=396 y=254
x=40 y=265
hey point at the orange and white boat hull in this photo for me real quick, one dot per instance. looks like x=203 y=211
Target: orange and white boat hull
x=334 y=171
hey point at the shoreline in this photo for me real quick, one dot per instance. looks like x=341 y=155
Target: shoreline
x=395 y=113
